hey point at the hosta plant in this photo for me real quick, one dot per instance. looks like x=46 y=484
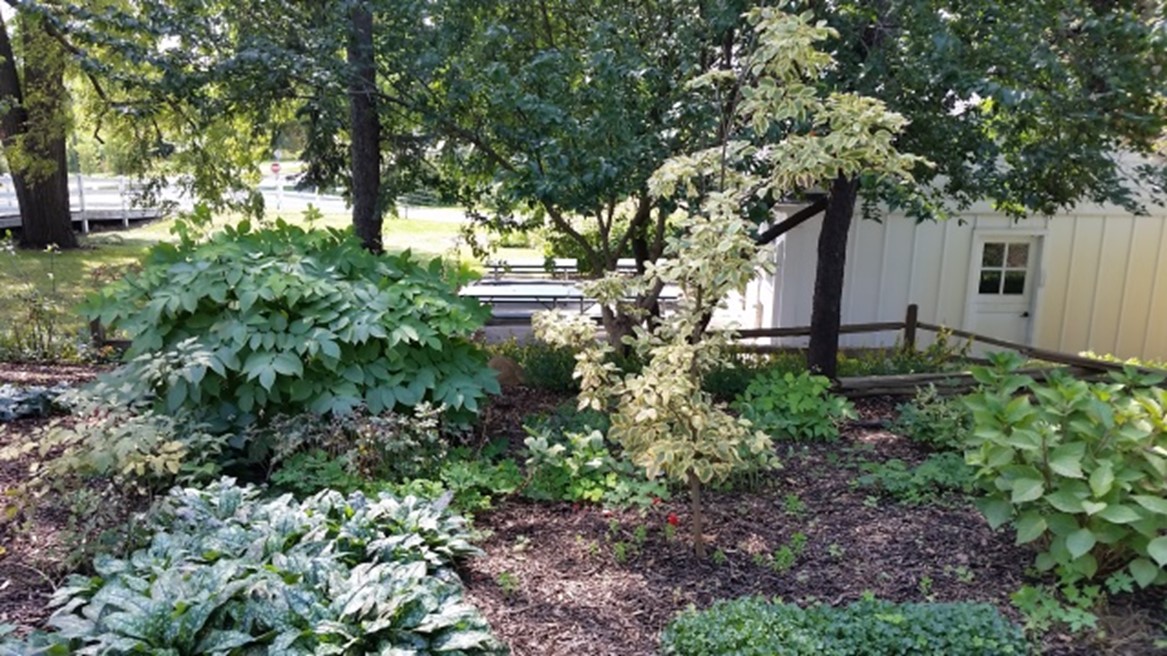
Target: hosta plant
x=792 y=407
x=229 y=573
x=280 y=319
x=661 y=415
x=1077 y=468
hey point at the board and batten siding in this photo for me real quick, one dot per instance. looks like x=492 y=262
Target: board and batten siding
x=1101 y=277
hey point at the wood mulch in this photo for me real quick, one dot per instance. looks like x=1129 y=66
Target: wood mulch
x=553 y=580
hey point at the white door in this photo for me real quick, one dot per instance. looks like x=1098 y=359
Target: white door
x=1003 y=286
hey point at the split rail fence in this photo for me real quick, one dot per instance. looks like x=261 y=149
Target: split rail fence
x=954 y=382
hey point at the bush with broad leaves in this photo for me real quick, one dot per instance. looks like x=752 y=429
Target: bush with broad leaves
x=280 y=319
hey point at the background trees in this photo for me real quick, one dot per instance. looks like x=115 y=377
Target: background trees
x=1031 y=105
x=556 y=112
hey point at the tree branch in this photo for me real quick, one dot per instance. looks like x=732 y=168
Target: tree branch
x=793 y=221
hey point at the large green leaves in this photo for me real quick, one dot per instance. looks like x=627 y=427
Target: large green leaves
x=1076 y=463
x=280 y=319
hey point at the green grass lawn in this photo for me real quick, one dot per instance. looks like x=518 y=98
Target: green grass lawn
x=71 y=276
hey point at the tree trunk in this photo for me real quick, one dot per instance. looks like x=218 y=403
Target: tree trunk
x=33 y=131
x=365 y=130
x=823 y=352
x=695 y=515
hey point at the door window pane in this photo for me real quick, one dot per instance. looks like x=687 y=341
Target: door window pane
x=994 y=255
x=1014 y=282
x=1018 y=256
x=990 y=282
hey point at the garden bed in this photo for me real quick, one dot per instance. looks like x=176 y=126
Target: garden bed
x=559 y=578
x=555 y=581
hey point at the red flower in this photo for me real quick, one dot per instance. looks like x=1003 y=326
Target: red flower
x=656 y=501
x=673 y=519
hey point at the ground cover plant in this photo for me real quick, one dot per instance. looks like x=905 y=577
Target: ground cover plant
x=226 y=572
x=758 y=627
x=280 y=319
x=794 y=407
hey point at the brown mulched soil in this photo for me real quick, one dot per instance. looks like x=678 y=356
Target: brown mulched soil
x=30 y=554
x=551 y=582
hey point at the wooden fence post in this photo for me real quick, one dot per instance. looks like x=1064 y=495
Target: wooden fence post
x=910 y=322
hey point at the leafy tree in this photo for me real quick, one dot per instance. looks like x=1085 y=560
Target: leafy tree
x=1032 y=105
x=661 y=415
x=558 y=111
x=34 y=121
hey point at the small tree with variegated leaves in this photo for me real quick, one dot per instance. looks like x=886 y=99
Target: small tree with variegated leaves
x=660 y=415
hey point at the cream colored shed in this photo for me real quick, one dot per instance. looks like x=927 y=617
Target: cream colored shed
x=1094 y=279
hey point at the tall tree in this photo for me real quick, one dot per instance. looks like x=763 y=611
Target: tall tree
x=34 y=122
x=364 y=128
x=1036 y=106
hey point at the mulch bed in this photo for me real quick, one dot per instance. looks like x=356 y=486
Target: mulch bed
x=552 y=581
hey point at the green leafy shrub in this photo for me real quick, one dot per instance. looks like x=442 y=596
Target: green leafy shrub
x=753 y=626
x=568 y=418
x=733 y=376
x=387 y=446
x=794 y=407
x=227 y=573
x=140 y=453
x=935 y=422
x=544 y=366
x=284 y=320
x=1078 y=468
x=578 y=466
x=938 y=477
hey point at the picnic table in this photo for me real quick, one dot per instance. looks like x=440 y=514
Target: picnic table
x=557 y=267
x=515 y=300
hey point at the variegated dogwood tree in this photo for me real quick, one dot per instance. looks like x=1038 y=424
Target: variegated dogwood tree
x=661 y=417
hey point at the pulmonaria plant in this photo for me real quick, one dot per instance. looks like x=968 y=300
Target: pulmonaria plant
x=661 y=416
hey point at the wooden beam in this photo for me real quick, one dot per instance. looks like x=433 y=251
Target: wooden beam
x=793 y=221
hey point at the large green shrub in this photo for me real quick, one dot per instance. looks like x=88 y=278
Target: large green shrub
x=284 y=320
x=756 y=627
x=793 y=407
x=228 y=573
x=1079 y=469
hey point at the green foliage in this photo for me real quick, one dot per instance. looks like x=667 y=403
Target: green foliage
x=139 y=453
x=1043 y=607
x=544 y=366
x=308 y=472
x=791 y=407
x=227 y=573
x=283 y=320
x=753 y=626
x=578 y=466
x=929 y=419
x=567 y=418
x=476 y=482
x=387 y=446
x=1137 y=362
x=35 y=331
x=1078 y=468
x=932 y=481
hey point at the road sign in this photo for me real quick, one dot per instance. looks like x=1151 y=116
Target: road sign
x=275 y=167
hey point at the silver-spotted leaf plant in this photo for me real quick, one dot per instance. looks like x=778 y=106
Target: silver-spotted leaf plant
x=783 y=137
